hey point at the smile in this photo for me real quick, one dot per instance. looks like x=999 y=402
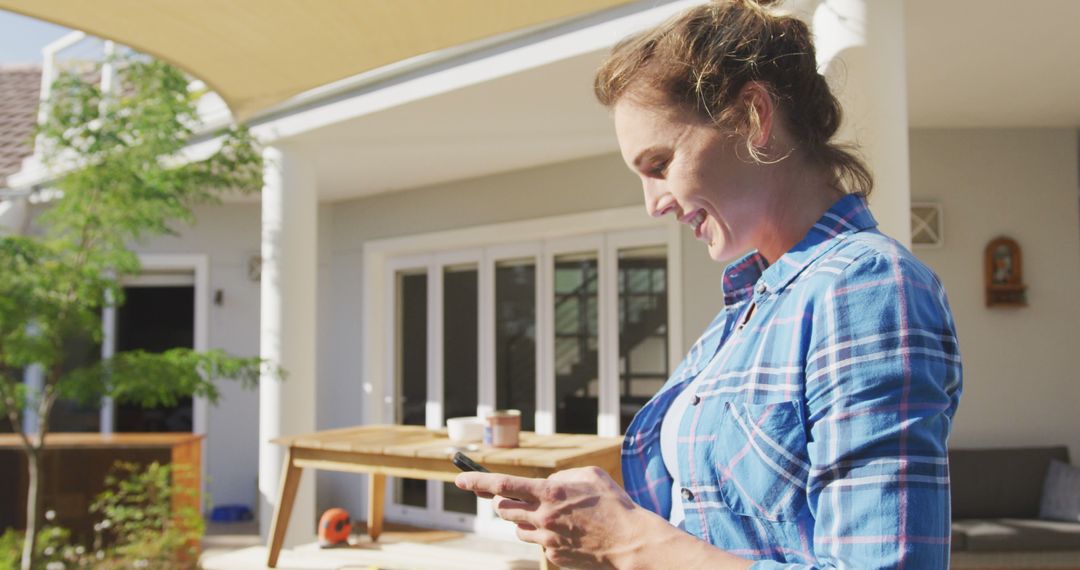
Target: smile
x=695 y=221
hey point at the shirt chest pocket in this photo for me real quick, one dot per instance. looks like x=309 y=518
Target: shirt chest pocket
x=760 y=460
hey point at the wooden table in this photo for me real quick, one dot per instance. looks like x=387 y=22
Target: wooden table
x=417 y=453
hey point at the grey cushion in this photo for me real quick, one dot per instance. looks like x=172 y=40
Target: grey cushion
x=1002 y=482
x=959 y=541
x=1016 y=534
x=1061 y=493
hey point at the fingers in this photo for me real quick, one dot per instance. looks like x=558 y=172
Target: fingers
x=515 y=511
x=487 y=485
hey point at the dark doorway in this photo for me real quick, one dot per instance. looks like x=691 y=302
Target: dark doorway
x=156 y=319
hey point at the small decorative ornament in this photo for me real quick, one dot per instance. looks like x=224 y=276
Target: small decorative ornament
x=1004 y=274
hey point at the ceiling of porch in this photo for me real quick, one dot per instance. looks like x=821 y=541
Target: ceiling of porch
x=971 y=64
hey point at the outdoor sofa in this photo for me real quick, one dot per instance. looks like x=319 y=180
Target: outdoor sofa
x=996 y=499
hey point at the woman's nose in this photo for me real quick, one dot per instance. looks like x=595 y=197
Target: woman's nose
x=658 y=203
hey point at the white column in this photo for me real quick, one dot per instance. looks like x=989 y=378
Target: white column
x=860 y=48
x=287 y=329
x=107 y=421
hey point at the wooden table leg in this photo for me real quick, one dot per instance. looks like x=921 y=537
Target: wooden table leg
x=290 y=481
x=376 y=500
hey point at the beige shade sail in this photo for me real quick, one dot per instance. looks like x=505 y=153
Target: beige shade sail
x=258 y=53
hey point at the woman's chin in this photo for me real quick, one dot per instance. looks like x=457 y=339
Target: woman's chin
x=718 y=252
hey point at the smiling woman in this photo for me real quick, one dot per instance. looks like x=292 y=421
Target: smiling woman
x=807 y=426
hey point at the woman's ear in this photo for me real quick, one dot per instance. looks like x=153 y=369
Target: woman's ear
x=760 y=113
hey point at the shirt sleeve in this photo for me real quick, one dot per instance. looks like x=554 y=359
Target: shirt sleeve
x=883 y=379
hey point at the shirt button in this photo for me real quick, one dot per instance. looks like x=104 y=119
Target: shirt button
x=761 y=288
x=695 y=400
x=687 y=494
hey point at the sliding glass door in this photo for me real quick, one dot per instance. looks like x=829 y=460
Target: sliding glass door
x=572 y=332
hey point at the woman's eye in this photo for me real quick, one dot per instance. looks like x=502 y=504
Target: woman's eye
x=658 y=169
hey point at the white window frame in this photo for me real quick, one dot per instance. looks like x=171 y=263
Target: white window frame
x=604 y=232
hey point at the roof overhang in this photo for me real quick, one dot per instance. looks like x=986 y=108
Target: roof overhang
x=256 y=54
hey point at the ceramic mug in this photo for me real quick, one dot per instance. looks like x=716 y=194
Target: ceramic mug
x=503 y=428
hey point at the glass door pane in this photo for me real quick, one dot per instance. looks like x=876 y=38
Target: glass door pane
x=515 y=339
x=460 y=362
x=643 y=327
x=576 y=347
x=411 y=366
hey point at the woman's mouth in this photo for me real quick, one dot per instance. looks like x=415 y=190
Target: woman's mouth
x=698 y=223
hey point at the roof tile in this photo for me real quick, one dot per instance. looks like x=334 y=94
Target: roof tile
x=20 y=87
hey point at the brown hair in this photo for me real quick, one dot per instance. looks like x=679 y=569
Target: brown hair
x=702 y=58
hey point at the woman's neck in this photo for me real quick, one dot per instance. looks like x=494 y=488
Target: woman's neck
x=800 y=195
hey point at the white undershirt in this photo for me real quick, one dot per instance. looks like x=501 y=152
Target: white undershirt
x=669 y=448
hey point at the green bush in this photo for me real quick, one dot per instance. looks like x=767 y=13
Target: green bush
x=138 y=527
x=139 y=521
x=52 y=548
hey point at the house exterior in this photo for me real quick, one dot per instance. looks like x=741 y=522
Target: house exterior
x=463 y=236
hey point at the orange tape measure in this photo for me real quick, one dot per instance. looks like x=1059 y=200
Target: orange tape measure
x=334 y=528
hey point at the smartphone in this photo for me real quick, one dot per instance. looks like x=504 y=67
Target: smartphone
x=462 y=461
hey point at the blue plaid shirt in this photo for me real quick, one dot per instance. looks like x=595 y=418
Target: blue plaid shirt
x=817 y=434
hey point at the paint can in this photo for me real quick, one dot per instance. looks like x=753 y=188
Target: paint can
x=503 y=428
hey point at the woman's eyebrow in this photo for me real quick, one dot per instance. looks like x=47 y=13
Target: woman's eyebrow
x=645 y=154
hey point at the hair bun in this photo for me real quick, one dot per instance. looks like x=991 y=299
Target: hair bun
x=761 y=3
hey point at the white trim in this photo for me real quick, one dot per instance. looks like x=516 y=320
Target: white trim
x=184 y=278
x=515 y=57
x=545 y=345
x=607 y=421
x=433 y=405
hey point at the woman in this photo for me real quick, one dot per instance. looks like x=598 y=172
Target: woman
x=808 y=425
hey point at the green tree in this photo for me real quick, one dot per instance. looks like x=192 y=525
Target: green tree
x=124 y=179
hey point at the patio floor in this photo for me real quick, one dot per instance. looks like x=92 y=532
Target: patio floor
x=236 y=546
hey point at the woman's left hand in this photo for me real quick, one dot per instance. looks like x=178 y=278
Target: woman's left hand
x=581 y=517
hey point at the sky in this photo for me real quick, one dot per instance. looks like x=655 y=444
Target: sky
x=22 y=38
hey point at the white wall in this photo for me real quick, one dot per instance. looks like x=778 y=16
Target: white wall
x=227 y=234
x=1021 y=385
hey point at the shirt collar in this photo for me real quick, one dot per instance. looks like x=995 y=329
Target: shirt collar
x=847 y=216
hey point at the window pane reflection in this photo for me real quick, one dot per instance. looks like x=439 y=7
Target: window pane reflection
x=643 y=331
x=460 y=322
x=411 y=382
x=515 y=338
x=576 y=355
